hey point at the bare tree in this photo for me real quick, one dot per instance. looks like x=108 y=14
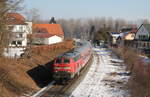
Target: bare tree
x=83 y=28
x=6 y=6
x=33 y=15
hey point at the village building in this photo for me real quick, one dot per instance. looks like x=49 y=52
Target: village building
x=125 y=37
x=142 y=38
x=47 y=34
x=130 y=35
x=19 y=29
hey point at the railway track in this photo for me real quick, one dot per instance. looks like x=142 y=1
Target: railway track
x=65 y=90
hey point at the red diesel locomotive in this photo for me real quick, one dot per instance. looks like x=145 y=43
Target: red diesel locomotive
x=69 y=64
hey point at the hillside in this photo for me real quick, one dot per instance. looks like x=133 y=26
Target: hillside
x=30 y=73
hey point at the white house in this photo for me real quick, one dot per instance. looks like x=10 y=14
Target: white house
x=143 y=32
x=19 y=29
x=142 y=38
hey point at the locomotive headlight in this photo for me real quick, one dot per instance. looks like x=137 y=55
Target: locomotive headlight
x=67 y=67
x=62 y=67
x=57 y=67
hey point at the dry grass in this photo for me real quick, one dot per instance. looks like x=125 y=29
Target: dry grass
x=11 y=79
x=140 y=79
x=14 y=80
x=139 y=83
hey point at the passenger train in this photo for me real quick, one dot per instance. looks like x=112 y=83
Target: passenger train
x=69 y=64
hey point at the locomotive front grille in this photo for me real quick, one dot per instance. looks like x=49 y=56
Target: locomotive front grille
x=61 y=75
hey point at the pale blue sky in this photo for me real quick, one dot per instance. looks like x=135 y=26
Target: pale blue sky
x=126 y=9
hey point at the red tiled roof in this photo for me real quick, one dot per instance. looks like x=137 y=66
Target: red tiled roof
x=52 y=29
x=15 y=19
x=41 y=35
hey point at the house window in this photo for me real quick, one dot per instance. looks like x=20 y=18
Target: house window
x=143 y=37
x=140 y=44
x=140 y=37
x=13 y=42
x=20 y=35
x=148 y=45
x=19 y=42
x=21 y=28
x=39 y=31
x=144 y=44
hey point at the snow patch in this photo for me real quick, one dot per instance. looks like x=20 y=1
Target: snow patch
x=106 y=78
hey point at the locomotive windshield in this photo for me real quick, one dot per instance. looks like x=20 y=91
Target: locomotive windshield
x=59 y=60
x=66 y=61
x=62 y=60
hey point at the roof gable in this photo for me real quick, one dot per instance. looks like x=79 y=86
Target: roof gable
x=144 y=29
x=147 y=27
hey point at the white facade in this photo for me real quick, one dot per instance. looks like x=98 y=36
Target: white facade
x=19 y=34
x=53 y=39
x=47 y=41
x=142 y=38
x=142 y=32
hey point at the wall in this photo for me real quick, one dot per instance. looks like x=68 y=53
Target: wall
x=21 y=29
x=54 y=39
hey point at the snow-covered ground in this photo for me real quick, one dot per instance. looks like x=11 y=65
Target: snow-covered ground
x=106 y=77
